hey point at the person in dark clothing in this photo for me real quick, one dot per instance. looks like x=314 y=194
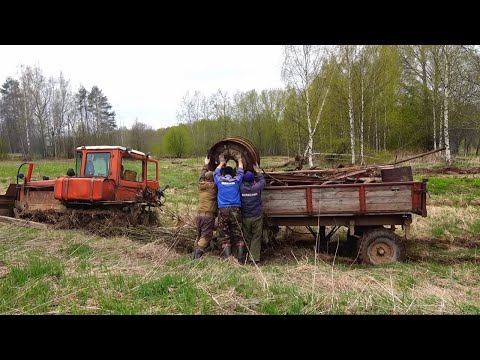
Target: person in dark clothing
x=252 y=211
x=229 y=213
x=207 y=210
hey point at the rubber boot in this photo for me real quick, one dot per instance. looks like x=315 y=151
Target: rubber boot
x=226 y=251
x=198 y=253
x=242 y=256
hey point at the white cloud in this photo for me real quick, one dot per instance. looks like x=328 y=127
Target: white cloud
x=148 y=81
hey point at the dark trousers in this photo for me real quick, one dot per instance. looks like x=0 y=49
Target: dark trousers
x=252 y=228
x=205 y=225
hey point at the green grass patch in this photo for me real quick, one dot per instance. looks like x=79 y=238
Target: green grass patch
x=37 y=298
x=407 y=280
x=469 y=309
x=175 y=294
x=37 y=268
x=242 y=282
x=78 y=250
x=285 y=300
x=450 y=226
x=179 y=261
x=160 y=287
x=440 y=186
x=475 y=227
x=118 y=306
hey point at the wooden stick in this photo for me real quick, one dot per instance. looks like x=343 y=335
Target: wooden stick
x=417 y=156
x=21 y=222
x=309 y=171
x=351 y=173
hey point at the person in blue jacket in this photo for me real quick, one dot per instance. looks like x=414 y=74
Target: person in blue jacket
x=229 y=203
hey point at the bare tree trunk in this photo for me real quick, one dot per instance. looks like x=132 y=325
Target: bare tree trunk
x=350 y=116
x=312 y=131
x=377 y=142
x=27 y=128
x=434 y=127
x=445 y=112
x=385 y=129
x=54 y=140
x=362 y=119
x=440 y=125
x=434 y=107
x=299 y=139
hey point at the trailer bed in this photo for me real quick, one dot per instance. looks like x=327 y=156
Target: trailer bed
x=345 y=200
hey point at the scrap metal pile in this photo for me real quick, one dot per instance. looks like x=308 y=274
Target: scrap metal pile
x=298 y=176
x=343 y=175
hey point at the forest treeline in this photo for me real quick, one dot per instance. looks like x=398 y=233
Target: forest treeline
x=350 y=100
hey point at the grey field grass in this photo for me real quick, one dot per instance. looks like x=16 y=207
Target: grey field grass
x=70 y=272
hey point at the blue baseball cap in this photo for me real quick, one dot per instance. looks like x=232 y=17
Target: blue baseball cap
x=249 y=177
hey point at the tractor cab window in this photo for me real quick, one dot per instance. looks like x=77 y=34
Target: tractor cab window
x=78 y=163
x=98 y=164
x=131 y=170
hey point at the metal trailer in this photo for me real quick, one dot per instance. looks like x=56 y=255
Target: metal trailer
x=370 y=211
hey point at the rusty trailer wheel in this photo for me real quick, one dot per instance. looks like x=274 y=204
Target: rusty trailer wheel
x=380 y=246
x=248 y=150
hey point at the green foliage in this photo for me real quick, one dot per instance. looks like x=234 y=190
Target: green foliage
x=3 y=149
x=177 y=141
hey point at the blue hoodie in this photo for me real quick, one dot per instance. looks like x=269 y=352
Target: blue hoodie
x=252 y=197
x=228 y=188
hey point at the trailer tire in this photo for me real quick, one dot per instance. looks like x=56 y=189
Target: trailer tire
x=380 y=246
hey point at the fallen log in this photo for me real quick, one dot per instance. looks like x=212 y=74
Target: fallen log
x=417 y=156
x=21 y=222
x=319 y=171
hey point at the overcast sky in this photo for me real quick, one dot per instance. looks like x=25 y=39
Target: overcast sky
x=148 y=82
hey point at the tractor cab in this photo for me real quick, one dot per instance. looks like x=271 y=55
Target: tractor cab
x=109 y=174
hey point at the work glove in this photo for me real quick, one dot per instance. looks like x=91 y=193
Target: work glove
x=257 y=168
x=206 y=160
x=221 y=158
x=236 y=155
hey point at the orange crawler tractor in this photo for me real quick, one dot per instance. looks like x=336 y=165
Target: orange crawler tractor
x=109 y=183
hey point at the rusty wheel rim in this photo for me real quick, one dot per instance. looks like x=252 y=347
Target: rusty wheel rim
x=381 y=251
x=248 y=148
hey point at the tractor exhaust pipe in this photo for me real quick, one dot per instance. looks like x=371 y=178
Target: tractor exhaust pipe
x=29 y=173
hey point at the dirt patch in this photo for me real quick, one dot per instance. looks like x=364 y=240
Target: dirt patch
x=181 y=239
x=159 y=253
x=3 y=270
x=93 y=220
x=464 y=243
x=303 y=251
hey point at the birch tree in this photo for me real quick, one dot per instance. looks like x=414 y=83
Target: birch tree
x=301 y=67
x=348 y=56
